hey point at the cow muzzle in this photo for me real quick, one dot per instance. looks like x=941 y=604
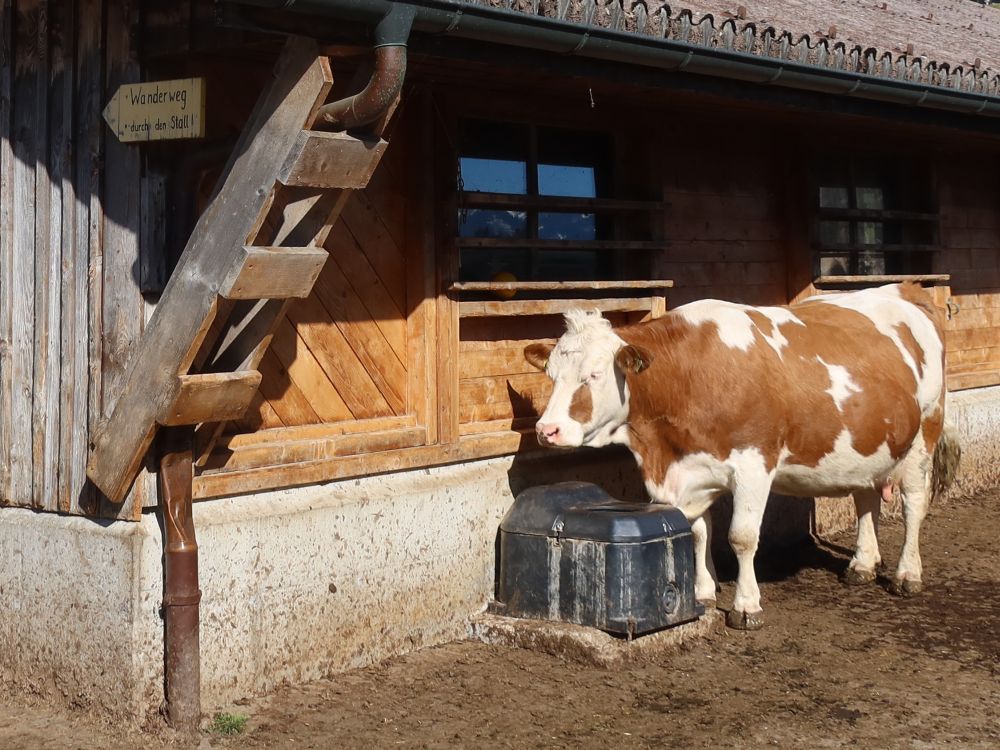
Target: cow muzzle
x=549 y=435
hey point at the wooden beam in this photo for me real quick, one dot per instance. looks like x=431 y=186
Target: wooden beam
x=218 y=484
x=555 y=286
x=331 y=160
x=211 y=397
x=178 y=325
x=510 y=308
x=274 y=273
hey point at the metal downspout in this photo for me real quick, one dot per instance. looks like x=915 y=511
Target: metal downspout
x=181 y=595
x=391 y=35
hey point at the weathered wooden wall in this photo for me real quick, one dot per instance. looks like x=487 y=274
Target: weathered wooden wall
x=70 y=217
x=970 y=251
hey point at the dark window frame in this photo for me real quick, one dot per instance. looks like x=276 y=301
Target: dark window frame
x=895 y=232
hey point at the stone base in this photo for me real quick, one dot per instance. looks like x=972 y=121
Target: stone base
x=589 y=645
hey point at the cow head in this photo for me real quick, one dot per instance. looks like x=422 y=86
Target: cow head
x=589 y=400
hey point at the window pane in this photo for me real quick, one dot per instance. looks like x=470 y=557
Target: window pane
x=484 y=265
x=870 y=197
x=871 y=264
x=560 y=226
x=567 y=265
x=834 y=232
x=494 y=175
x=833 y=197
x=834 y=265
x=576 y=182
x=870 y=233
x=483 y=222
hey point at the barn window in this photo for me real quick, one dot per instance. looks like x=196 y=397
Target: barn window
x=530 y=203
x=873 y=217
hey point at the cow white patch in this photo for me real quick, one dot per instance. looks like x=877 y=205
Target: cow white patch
x=736 y=328
x=839 y=472
x=841 y=385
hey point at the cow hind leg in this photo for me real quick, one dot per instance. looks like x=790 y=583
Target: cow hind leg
x=914 y=484
x=749 y=499
x=866 y=558
x=704 y=568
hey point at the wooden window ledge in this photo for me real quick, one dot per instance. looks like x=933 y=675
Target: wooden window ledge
x=833 y=282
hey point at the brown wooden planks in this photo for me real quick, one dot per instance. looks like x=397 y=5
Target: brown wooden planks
x=230 y=458
x=368 y=344
x=496 y=358
x=309 y=472
x=334 y=354
x=358 y=270
x=369 y=231
x=283 y=396
x=489 y=309
x=214 y=246
x=22 y=263
x=308 y=377
x=488 y=398
x=6 y=244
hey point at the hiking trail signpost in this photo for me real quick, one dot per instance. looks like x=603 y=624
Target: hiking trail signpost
x=158 y=110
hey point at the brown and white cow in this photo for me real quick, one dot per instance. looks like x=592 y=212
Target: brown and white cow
x=839 y=394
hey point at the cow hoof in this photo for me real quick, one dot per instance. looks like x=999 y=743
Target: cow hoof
x=905 y=587
x=745 y=620
x=858 y=576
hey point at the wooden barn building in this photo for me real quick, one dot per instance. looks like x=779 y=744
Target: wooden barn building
x=282 y=257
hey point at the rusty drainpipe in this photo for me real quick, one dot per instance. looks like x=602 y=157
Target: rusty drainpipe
x=181 y=595
x=365 y=107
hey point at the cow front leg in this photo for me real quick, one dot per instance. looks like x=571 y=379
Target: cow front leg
x=704 y=567
x=749 y=500
x=866 y=558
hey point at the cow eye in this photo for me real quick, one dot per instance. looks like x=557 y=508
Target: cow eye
x=594 y=376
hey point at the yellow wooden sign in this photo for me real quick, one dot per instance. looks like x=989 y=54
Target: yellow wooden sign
x=158 y=110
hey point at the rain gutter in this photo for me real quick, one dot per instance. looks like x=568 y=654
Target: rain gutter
x=501 y=26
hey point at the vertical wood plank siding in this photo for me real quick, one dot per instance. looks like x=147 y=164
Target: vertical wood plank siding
x=66 y=194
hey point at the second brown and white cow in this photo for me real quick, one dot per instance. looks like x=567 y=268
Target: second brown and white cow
x=839 y=394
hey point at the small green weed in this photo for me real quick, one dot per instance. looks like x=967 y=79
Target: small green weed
x=229 y=724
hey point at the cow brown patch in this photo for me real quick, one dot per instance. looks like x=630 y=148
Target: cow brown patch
x=918 y=296
x=537 y=355
x=763 y=323
x=581 y=406
x=910 y=342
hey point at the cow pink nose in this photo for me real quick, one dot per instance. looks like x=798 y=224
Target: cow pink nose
x=547 y=431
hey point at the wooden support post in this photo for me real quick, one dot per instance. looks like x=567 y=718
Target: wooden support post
x=181 y=595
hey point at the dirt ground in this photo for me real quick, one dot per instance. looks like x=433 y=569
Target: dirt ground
x=834 y=667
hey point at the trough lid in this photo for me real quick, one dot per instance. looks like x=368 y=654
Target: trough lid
x=581 y=510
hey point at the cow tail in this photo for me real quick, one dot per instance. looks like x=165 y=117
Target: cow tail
x=947 y=455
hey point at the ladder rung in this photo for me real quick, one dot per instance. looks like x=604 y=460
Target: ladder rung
x=274 y=273
x=331 y=160
x=211 y=397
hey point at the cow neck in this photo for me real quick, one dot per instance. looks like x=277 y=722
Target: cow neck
x=657 y=396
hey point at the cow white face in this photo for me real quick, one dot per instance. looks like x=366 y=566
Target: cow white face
x=589 y=401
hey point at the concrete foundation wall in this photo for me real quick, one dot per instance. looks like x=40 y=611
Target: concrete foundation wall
x=303 y=583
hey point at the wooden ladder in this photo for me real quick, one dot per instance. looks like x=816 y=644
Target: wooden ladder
x=259 y=244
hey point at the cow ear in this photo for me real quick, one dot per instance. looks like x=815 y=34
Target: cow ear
x=633 y=359
x=538 y=355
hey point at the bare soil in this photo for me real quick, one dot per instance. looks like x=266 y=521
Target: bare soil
x=834 y=667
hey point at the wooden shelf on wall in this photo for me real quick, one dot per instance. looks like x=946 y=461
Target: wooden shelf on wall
x=510 y=308
x=557 y=286
x=513 y=201
x=519 y=243
x=924 y=278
